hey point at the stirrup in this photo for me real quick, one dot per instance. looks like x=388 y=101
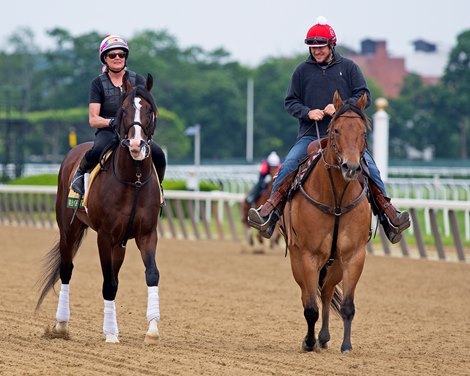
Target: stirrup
x=78 y=184
x=404 y=222
x=393 y=236
x=256 y=221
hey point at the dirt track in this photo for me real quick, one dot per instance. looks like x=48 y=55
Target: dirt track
x=229 y=313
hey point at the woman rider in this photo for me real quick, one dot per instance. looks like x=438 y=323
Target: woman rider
x=104 y=99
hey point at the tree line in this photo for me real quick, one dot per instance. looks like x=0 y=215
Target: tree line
x=49 y=87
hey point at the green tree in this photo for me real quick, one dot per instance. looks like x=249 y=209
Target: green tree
x=457 y=81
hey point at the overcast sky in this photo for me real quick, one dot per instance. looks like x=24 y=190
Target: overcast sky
x=251 y=30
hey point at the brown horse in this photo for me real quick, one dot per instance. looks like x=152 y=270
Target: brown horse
x=123 y=202
x=328 y=225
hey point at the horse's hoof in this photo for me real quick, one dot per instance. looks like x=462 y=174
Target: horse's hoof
x=346 y=349
x=306 y=347
x=152 y=336
x=112 y=338
x=152 y=339
x=61 y=328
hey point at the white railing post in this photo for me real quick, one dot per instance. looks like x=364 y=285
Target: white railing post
x=380 y=133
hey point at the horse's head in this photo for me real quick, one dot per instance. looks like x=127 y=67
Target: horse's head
x=136 y=119
x=347 y=135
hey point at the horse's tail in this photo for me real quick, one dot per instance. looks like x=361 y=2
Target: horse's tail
x=51 y=268
x=337 y=294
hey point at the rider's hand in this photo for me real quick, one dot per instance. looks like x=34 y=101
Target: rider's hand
x=316 y=115
x=112 y=123
x=329 y=110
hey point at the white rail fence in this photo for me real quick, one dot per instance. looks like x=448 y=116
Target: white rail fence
x=438 y=183
x=440 y=228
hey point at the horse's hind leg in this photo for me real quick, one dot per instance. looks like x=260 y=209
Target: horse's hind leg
x=70 y=239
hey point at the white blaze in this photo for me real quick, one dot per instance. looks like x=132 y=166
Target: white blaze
x=138 y=137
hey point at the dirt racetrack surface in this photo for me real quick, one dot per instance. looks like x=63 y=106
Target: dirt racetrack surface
x=224 y=312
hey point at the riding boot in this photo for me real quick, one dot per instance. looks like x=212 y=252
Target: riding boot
x=78 y=180
x=266 y=216
x=393 y=221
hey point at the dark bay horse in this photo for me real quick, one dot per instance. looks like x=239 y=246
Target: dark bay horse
x=328 y=225
x=123 y=202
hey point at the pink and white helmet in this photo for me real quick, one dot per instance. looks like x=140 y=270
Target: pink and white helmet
x=112 y=42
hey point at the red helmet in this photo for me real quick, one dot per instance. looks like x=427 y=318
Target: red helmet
x=321 y=34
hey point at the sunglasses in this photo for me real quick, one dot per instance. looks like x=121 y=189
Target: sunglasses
x=112 y=55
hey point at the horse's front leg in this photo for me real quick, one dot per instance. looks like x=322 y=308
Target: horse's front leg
x=111 y=262
x=147 y=246
x=332 y=278
x=352 y=272
x=305 y=273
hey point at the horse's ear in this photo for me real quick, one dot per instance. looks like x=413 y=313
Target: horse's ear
x=126 y=85
x=337 y=101
x=361 y=103
x=149 y=82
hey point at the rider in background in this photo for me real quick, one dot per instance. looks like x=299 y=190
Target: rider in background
x=308 y=99
x=268 y=170
x=104 y=99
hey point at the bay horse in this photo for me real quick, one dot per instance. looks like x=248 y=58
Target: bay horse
x=123 y=202
x=327 y=226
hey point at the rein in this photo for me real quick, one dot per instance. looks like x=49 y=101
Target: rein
x=138 y=184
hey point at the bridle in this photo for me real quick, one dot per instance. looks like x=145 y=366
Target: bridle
x=147 y=139
x=332 y=141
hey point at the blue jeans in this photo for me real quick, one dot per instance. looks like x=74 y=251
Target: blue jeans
x=299 y=151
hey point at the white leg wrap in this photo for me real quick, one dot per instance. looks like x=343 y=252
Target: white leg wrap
x=110 y=323
x=153 y=304
x=63 y=307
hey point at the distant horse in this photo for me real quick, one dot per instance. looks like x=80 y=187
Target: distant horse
x=255 y=241
x=327 y=226
x=123 y=202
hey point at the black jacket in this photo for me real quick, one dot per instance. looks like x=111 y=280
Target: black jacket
x=312 y=87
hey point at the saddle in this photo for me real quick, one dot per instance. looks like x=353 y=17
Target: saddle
x=307 y=164
x=73 y=197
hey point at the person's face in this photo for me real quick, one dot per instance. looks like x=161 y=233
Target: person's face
x=321 y=54
x=116 y=59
